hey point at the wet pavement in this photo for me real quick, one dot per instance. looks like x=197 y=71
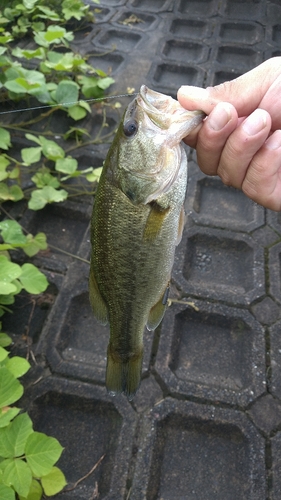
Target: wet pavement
x=206 y=422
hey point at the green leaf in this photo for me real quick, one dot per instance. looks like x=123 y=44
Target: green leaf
x=13 y=193
x=33 y=138
x=21 y=86
x=25 y=81
x=6 y=38
x=67 y=93
x=85 y=105
x=51 y=86
x=53 y=482
x=42 y=452
x=89 y=85
x=18 y=366
x=16 y=193
x=76 y=132
x=61 y=62
x=48 y=13
x=7 y=288
x=77 y=112
x=4 y=191
x=3 y=165
x=54 y=34
x=11 y=232
x=32 y=280
x=31 y=155
x=13 y=438
x=40 y=197
x=29 y=4
x=5 y=340
x=35 y=492
x=9 y=270
x=51 y=149
x=28 y=54
x=95 y=175
x=38 y=26
x=104 y=83
x=5 y=246
x=35 y=244
x=10 y=388
x=74 y=8
x=14 y=173
x=3 y=354
x=66 y=165
x=7 y=299
x=6 y=415
x=3 y=173
x=44 y=178
x=5 y=139
x=18 y=474
x=6 y=493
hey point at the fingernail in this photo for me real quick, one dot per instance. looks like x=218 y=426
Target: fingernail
x=219 y=117
x=255 y=122
x=274 y=141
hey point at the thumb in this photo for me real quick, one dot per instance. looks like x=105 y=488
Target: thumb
x=257 y=88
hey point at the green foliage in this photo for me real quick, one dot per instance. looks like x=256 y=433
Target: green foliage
x=14 y=278
x=48 y=182
x=50 y=73
x=52 y=82
x=27 y=457
x=13 y=237
x=60 y=79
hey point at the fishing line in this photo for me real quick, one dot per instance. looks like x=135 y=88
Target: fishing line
x=67 y=103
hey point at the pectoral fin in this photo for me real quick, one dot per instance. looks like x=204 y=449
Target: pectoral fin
x=157 y=311
x=96 y=300
x=154 y=221
x=181 y=226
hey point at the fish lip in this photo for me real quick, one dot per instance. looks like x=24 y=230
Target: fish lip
x=159 y=104
x=150 y=98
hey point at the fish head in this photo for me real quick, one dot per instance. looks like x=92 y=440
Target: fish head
x=148 y=156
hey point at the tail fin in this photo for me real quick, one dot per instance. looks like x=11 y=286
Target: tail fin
x=123 y=376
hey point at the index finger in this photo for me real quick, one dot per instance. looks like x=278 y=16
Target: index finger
x=246 y=93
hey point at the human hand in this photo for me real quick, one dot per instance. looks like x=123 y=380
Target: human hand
x=240 y=140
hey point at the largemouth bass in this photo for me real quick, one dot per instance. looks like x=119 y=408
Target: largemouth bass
x=137 y=222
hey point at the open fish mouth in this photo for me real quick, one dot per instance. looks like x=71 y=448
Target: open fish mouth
x=162 y=108
x=154 y=99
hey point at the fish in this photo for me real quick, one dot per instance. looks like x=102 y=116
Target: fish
x=136 y=224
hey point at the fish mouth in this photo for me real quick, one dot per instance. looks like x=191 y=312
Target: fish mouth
x=154 y=99
x=160 y=106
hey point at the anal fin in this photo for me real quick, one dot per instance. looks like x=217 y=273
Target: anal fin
x=96 y=300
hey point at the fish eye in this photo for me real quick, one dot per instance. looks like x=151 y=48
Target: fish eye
x=130 y=128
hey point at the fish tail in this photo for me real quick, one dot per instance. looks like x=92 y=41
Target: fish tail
x=123 y=375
